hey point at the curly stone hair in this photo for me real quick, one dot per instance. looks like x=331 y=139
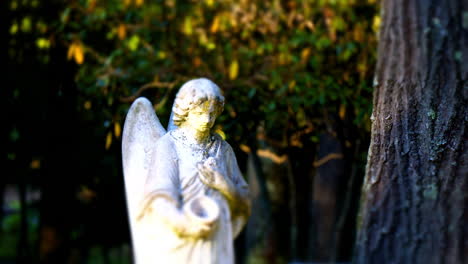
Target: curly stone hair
x=193 y=93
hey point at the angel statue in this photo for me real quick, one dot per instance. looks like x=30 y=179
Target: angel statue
x=186 y=197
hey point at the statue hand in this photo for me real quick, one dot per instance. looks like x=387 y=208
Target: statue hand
x=186 y=227
x=180 y=221
x=211 y=176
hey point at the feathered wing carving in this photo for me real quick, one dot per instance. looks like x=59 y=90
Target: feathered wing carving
x=171 y=125
x=142 y=129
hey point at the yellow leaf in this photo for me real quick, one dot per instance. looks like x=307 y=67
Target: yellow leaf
x=108 y=140
x=188 y=26
x=133 y=43
x=139 y=2
x=215 y=26
x=26 y=24
x=87 y=105
x=71 y=51
x=342 y=111
x=211 y=46
x=43 y=43
x=376 y=23
x=117 y=129
x=121 y=31
x=233 y=70
x=245 y=148
x=79 y=54
x=209 y=3
x=161 y=54
x=305 y=55
x=127 y=2
x=291 y=85
x=14 y=29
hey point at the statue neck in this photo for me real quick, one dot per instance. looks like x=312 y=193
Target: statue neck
x=200 y=138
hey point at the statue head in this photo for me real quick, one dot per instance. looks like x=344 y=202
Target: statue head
x=197 y=99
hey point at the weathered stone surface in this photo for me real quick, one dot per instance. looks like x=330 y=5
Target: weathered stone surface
x=186 y=197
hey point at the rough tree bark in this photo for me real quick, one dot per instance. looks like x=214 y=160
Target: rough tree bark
x=414 y=201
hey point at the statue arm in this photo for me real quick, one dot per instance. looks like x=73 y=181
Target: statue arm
x=242 y=206
x=236 y=191
x=233 y=187
x=161 y=199
x=229 y=181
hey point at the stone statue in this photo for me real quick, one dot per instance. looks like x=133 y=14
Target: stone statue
x=186 y=197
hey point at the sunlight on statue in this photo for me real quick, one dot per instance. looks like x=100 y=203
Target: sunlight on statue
x=186 y=197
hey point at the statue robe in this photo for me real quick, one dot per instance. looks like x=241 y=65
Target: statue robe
x=174 y=177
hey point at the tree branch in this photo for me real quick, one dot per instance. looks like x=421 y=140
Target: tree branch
x=151 y=85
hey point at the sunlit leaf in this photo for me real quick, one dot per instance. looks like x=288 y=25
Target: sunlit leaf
x=376 y=23
x=161 y=55
x=26 y=24
x=211 y=46
x=215 y=25
x=139 y=2
x=305 y=55
x=71 y=51
x=14 y=28
x=188 y=29
x=121 y=31
x=233 y=70
x=78 y=54
x=43 y=43
x=117 y=129
x=209 y=3
x=108 y=140
x=133 y=43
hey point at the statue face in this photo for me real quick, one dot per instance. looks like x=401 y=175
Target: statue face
x=202 y=117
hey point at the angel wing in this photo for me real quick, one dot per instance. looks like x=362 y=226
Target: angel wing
x=142 y=129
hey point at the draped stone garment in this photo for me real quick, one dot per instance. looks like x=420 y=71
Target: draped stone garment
x=173 y=176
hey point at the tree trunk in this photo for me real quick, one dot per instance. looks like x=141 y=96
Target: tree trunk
x=329 y=177
x=414 y=201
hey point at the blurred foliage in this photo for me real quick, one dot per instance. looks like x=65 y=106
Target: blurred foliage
x=10 y=228
x=295 y=61
x=288 y=69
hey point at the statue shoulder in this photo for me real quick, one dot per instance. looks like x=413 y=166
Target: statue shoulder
x=223 y=144
x=166 y=145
